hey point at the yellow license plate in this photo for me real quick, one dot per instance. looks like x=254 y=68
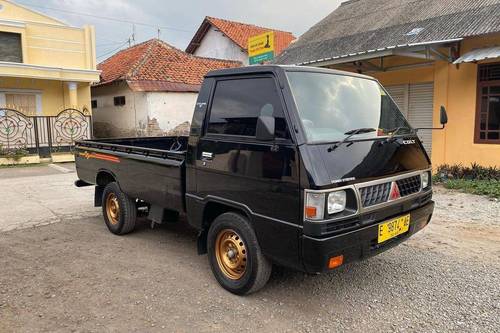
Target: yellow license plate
x=393 y=228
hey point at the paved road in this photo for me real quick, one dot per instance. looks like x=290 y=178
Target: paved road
x=33 y=196
x=76 y=276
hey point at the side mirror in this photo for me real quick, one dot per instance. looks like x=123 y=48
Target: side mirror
x=265 y=128
x=443 y=116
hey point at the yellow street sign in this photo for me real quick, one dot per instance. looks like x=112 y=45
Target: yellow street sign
x=261 y=47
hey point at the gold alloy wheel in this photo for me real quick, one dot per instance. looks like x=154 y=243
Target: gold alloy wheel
x=113 y=209
x=231 y=254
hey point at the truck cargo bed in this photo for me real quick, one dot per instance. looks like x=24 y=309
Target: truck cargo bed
x=150 y=169
x=162 y=147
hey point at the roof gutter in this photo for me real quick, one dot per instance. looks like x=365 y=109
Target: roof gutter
x=376 y=53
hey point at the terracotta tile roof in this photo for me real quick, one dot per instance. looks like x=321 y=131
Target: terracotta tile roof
x=239 y=34
x=157 y=66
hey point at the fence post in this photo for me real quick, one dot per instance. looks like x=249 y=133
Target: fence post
x=37 y=140
x=91 y=128
x=49 y=134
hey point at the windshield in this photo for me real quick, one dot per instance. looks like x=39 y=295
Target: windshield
x=331 y=105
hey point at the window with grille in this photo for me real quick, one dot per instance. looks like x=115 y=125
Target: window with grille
x=488 y=105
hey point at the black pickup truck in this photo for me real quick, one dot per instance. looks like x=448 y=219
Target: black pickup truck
x=301 y=167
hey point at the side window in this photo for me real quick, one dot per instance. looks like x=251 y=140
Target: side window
x=119 y=100
x=10 y=47
x=488 y=105
x=238 y=103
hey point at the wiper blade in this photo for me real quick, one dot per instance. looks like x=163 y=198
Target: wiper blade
x=350 y=134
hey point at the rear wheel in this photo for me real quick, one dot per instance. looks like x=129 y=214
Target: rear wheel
x=119 y=211
x=235 y=256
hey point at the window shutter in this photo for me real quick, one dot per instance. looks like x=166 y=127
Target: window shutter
x=421 y=105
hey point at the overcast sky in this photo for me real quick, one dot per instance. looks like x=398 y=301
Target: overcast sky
x=178 y=19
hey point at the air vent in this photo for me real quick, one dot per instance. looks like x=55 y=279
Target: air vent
x=489 y=72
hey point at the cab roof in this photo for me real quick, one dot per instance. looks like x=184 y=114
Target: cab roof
x=260 y=69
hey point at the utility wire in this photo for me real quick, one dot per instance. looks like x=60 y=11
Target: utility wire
x=106 y=18
x=114 y=50
x=109 y=44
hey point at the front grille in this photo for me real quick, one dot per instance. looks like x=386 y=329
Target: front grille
x=409 y=185
x=379 y=193
x=375 y=194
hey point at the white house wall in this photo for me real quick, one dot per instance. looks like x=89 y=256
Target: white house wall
x=119 y=121
x=216 y=45
x=168 y=110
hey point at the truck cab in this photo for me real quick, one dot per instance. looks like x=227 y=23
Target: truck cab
x=301 y=167
x=267 y=141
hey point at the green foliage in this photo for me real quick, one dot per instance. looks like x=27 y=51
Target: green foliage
x=474 y=172
x=483 y=187
x=14 y=153
x=475 y=179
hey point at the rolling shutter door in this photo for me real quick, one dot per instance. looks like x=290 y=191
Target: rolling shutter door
x=416 y=101
x=400 y=95
x=421 y=104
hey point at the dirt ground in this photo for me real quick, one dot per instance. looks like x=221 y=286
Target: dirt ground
x=74 y=276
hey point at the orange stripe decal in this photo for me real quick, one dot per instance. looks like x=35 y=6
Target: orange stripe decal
x=99 y=156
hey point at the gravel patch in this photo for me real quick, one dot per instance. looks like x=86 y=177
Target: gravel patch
x=76 y=276
x=455 y=206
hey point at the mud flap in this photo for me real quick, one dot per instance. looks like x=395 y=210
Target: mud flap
x=202 y=242
x=98 y=196
x=160 y=215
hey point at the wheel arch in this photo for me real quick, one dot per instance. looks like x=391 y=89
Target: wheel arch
x=213 y=208
x=103 y=178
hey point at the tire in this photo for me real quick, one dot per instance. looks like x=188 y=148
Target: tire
x=119 y=211
x=242 y=269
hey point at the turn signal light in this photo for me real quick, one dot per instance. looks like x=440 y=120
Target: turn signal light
x=335 y=261
x=311 y=212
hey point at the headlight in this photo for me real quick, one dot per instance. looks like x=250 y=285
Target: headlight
x=336 y=202
x=425 y=180
x=314 y=208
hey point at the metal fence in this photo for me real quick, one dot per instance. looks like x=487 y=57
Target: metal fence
x=43 y=135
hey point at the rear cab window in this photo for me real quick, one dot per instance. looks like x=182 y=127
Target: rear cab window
x=237 y=103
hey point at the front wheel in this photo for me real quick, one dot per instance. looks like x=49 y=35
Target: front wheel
x=235 y=256
x=119 y=211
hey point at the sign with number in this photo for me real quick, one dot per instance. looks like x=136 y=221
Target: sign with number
x=261 y=48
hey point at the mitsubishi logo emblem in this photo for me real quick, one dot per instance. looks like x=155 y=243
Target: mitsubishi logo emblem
x=394 y=194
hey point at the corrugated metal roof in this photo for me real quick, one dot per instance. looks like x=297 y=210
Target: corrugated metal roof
x=479 y=54
x=370 y=54
x=362 y=25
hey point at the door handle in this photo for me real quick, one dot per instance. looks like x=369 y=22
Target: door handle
x=206 y=156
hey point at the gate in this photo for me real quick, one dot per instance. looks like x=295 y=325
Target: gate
x=17 y=131
x=43 y=135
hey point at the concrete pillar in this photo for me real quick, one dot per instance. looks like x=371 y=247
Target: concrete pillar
x=73 y=94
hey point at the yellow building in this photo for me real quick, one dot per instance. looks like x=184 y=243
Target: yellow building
x=428 y=54
x=46 y=66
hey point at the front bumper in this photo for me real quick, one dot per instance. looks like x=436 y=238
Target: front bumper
x=358 y=244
